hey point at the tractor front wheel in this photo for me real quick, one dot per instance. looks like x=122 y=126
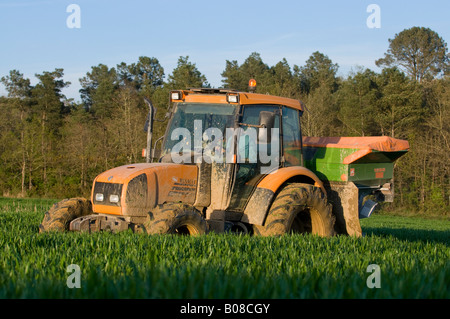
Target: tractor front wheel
x=298 y=208
x=177 y=219
x=58 y=218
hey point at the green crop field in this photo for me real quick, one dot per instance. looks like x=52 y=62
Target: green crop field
x=413 y=255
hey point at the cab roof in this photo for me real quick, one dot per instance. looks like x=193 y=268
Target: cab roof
x=219 y=96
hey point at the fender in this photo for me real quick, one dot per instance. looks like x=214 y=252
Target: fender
x=258 y=205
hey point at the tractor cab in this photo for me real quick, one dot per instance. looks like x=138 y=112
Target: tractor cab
x=235 y=139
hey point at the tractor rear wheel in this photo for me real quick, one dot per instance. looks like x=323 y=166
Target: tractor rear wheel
x=180 y=219
x=58 y=218
x=298 y=208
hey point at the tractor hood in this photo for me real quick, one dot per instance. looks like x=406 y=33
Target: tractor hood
x=133 y=190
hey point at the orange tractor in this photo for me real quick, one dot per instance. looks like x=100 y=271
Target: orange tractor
x=237 y=162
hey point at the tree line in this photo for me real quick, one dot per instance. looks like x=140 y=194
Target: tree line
x=52 y=146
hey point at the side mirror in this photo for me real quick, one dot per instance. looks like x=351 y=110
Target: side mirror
x=266 y=123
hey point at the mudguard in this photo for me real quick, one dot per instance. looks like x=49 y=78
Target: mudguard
x=263 y=196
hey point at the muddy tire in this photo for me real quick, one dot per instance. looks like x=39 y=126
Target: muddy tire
x=298 y=208
x=61 y=214
x=177 y=219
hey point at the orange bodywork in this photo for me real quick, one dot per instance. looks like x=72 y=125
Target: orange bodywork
x=365 y=145
x=165 y=183
x=378 y=143
x=255 y=98
x=275 y=180
x=197 y=98
x=244 y=98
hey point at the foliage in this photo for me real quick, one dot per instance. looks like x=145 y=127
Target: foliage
x=52 y=146
x=237 y=76
x=357 y=97
x=186 y=75
x=420 y=51
x=413 y=255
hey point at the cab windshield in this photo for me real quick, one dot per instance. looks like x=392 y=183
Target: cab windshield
x=194 y=121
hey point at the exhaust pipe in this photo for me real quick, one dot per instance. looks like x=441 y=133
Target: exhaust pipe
x=149 y=129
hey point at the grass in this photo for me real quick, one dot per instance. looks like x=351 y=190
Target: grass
x=413 y=255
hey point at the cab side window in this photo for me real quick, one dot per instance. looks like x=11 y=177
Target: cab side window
x=292 y=146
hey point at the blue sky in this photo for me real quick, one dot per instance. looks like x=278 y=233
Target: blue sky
x=34 y=35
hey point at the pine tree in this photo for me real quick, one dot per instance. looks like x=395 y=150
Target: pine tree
x=49 y=109
x=98 y=87
x=19 y=93
x=419 y=51
x=186 y=75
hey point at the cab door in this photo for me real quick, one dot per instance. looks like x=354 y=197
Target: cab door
x=292 y=137
x=251 y=162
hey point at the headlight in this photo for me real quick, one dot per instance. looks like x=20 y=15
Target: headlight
x=107 y=194
x=114 y=198
x=99 y=197
x=176 y=95
x=232 y=98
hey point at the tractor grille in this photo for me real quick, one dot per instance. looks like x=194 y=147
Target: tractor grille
x=107 y=189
